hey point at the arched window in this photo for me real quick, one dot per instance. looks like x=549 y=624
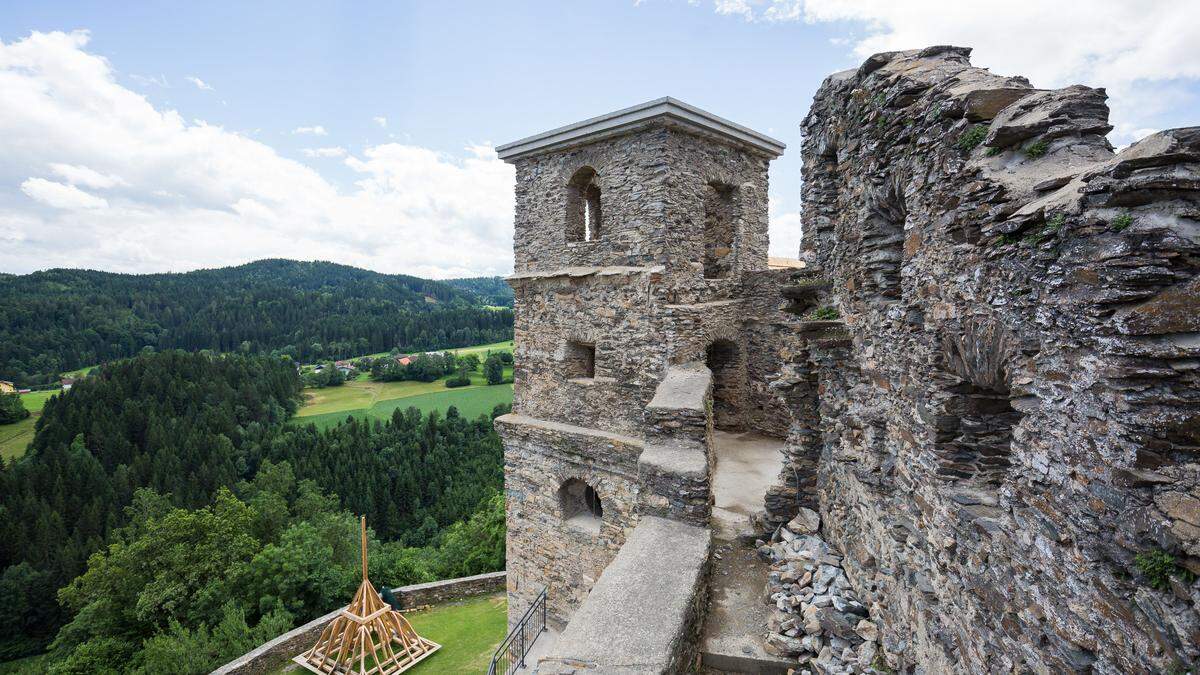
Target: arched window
x=583 y=206
x=581 y=506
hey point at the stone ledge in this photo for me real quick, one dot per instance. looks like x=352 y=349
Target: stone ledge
x=673 y=483
x=516 y=419
x=643 y=612
x=678 y=460
x=586 y=272
x=684 y=388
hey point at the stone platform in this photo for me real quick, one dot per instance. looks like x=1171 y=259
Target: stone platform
x=747 y=465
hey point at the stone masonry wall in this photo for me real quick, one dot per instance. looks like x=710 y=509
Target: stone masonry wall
x=638 y=296
x=1010 y=420
x=614 y=311
x=542 y=548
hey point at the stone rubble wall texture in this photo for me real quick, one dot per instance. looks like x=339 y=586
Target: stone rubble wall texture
x=1006 y=411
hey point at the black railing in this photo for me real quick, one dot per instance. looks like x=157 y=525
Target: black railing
x=510 y=655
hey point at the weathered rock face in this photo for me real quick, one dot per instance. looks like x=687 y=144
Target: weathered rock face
x=1006 y=412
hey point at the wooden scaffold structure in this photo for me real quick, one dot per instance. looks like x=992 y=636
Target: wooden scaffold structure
x=368 y=637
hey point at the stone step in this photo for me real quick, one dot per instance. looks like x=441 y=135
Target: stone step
x=732 y=641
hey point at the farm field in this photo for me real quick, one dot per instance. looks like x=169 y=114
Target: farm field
x=15 y=437
x=470 y=401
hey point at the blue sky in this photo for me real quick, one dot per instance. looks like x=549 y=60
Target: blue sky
x=125 y=161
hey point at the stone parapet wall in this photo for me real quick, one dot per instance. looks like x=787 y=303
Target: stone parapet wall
x=267 y=656
x=645 y=612
x=437 y=592
x=674 y=469
x=1012 y=421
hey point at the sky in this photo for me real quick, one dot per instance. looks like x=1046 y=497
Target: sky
x=170 y=136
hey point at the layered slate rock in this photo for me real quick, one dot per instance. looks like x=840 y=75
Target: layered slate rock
x=1012 y=420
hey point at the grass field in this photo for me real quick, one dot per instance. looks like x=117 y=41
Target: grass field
x=81 y=372
x=14 y=437
x=468 y=631
x=470 y=401
x=365 y=399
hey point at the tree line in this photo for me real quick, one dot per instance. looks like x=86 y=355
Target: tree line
x=59 y=320
x=165 y=513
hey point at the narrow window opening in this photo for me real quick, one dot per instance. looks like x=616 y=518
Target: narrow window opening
x=581 y=506
x=721 y=358
x=719 y=226
x=580 y=360
x=583 y=206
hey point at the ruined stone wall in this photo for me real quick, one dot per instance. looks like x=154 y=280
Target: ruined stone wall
x=699 y=170
x=543 y=548
x=1014 y=414
x=615 y=312
x=638 y=296
x=633 y=182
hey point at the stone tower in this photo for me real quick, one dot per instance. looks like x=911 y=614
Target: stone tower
x=635 y=233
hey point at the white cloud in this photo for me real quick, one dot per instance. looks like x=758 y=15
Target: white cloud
x=181 y=195
x=381 y=121
x=200 y=84
x=336 y=151
x=61 y=196
x=147 y=80
x=317 y=130
x=82 y=175
x=785 y=231
x=1138 y=50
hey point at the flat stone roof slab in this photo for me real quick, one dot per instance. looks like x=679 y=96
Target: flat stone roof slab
x=665 y=110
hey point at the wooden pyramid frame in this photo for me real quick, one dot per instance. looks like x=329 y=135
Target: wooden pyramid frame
x=368 y=637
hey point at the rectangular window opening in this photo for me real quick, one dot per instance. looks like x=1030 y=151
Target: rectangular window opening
x=581 y=360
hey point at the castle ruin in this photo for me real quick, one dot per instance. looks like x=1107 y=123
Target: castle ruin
x=984 y=378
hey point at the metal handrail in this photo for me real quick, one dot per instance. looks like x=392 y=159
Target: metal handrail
x=511 y=652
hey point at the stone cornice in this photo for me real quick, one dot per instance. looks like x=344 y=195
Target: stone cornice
x=665 y=110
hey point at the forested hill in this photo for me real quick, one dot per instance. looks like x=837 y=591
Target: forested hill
x=164 y=506
x=59 y=320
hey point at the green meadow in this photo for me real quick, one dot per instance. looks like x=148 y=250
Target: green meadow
x=15 y=437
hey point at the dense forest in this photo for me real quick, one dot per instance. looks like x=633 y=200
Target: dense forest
x=59 y=320
x=165 y=518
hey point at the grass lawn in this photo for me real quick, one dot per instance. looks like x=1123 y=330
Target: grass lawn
x=361 y=394
x=14 y=437
x=468 y=631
